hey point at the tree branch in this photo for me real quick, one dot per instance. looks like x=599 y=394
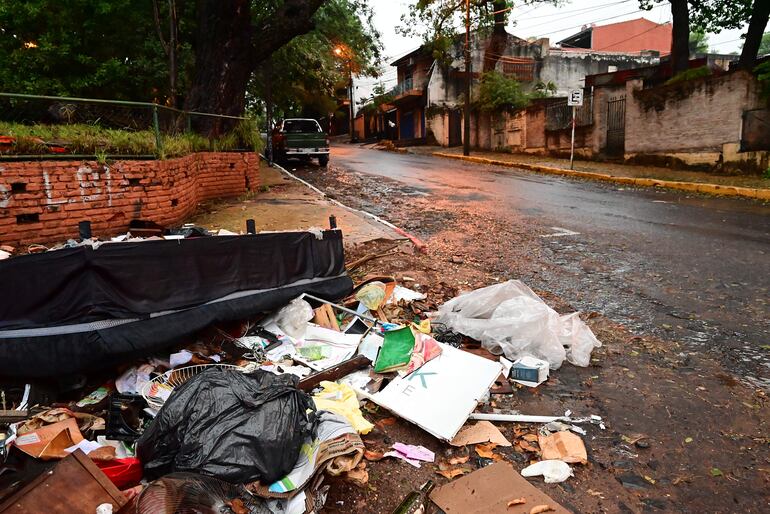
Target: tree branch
x=293 y=18
x=156 y=16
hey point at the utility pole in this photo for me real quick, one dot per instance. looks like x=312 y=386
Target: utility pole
x=467 y=109
x=269 y=111
x=350 y=96
x=572 y=147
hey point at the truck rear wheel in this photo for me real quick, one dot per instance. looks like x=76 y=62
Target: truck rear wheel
x=323 y=160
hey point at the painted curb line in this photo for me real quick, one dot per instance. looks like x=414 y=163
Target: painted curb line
x=419 y=244
x=696 y=187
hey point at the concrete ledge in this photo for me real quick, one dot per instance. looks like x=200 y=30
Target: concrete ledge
x=695 y=187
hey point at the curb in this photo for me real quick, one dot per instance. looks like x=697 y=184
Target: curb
x=417 y=242
x=695 y=187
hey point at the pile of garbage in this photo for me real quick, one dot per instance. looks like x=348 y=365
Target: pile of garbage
x=251 y=417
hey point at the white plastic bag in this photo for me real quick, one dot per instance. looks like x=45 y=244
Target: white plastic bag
x=293 y=318
x=510 y=319
x=553 y=471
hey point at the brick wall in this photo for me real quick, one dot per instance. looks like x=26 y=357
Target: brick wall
x=43 y=201
x=695 y=116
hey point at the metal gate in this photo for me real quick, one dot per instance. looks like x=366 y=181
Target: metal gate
x=616 y=126
x=455 y=127
x=755 y=135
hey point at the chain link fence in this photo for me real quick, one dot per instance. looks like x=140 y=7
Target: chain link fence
x=50 y=126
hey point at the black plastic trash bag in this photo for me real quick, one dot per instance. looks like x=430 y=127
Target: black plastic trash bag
x=235 y=426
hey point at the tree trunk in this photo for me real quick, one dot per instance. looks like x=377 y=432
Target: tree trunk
x=223 y=64
x=680 y=43
x=173 y=36
x=759 y=16
x=498 y=41
x=227 y=51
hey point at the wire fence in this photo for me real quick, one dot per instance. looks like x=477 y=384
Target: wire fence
x=52 y=126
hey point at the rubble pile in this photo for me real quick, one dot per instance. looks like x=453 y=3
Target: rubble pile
x=256 y=415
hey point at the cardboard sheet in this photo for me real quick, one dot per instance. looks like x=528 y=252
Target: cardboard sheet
x=481 y=432
x=488 y=491
x=564 y=446
x=440 y=395
x=50 y=441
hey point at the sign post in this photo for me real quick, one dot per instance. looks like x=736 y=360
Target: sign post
x=574 y=100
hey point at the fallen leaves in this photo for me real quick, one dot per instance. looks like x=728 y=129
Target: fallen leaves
x=373 y=456
x=454 y=467
x=459 y=460
x=716 y=472
x=485 y=451
x=517 y=501
x=527 y=446
x=453 y=472
x=538 y=509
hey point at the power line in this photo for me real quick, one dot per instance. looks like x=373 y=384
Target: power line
x=588 y=9
x=603 y=19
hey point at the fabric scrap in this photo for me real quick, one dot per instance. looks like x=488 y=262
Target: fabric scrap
x=341 y=399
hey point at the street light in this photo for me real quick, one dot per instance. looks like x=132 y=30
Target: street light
x=339 y=51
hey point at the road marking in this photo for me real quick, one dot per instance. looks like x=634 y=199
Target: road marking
x=560 y=232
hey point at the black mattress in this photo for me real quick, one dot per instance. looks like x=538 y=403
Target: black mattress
x=73 y=309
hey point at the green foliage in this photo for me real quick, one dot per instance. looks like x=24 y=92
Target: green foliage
x=544 y=90
x=498 y=92
x=699 y=42
x=691 y=74
x=764 y=47
x=712 y=16
x=306 y=73
x=92 y=48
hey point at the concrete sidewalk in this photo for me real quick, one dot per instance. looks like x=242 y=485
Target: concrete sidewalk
x=285 y=204
x=754 y=187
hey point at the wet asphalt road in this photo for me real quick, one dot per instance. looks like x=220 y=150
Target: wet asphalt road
x=683 y=267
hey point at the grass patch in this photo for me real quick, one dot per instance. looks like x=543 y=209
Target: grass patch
x=84 y=139
x=691 y=74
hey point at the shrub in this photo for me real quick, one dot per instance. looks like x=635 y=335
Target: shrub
x=498 y=92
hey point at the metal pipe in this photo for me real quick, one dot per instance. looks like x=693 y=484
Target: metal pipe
x=115 y=102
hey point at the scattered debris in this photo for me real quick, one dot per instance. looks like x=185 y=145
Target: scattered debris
x=203 y=414
x=564 y=446
x=529 y=371
x=553 y=471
